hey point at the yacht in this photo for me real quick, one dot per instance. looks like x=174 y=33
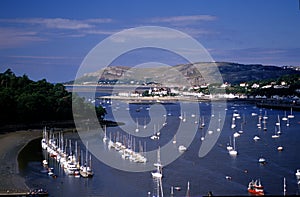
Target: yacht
x=297 y=173
x=291 y=115
x=182 y=148
x=256 y=188
x=256 y=138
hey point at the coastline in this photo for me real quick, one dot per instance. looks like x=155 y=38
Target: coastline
x=10 y=146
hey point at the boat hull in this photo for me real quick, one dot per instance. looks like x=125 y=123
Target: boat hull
x=256 y=192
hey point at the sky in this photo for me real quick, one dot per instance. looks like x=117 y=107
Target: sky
x=50 y=39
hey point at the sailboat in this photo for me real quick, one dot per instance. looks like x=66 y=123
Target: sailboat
x=259 y=122
x=297 y=173
x=188 y=190
x=233 y=152
x=291 y=114
x=233 y=125
x=174 y=140
x=256 y=138
x=182 y=148
x=265 y=117
x=105 y=136
x=241 y=130
x=137 y=126
x=184 y=117
x=280 y=148
x=219 y=124
x=157 y=175
x=265 y=125
x=278 y=124
x=284 y=186
x=154 y=136
x=287 y=122
x=158 y=165
x=86 y=169
x=202 y=125
x=284 y=118
x=145 y=124
x=275 y=134
x=262 y=160
x=256 y=188
x=229 y=146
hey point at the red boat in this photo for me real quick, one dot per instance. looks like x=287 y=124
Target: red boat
x=256 y=188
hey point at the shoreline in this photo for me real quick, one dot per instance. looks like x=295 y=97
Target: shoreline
x=10 y=146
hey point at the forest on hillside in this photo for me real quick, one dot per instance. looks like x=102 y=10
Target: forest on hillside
x=26 y=101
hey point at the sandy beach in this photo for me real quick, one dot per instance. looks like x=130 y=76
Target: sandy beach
x=10 y=146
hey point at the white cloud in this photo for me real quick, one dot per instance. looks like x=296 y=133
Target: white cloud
x=60 y=23
x=13 y=37
x=184 y=19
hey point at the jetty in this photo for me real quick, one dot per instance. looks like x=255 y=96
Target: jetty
x=276 y=105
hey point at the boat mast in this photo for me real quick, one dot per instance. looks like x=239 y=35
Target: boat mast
x=188 y=190
x=86 y=153
x=284 y=186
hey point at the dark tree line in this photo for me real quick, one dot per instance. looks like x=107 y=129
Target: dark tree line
x=25 y=101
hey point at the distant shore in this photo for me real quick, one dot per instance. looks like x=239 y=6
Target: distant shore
x=10 y=146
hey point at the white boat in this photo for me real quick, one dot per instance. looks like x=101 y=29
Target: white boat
x=275 y=134
x=145 y=124
x=219 y=124
x=278 y=123
x=182 y=148
x=235 y=114
x=137 y=126
x=202 y=125
x=279 y=127
x=265 y=125
x=297 y=173
x=45 y=162
x=174 y=140
x=262 y=160
x=256 y=138
x=259 y=122
x=241 y=131
x=236 y=134
x=228 y=177
x=105 y=136
x=229 y=146
x=291 y=114
x=284 y=118
x=280 y=148
x=86 y=169
x=253 y=114
x=265 y=117
x=155 y=135
x=233 y=152
x=233 y=125
x=158 y=173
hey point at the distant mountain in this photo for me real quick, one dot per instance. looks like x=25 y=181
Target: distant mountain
x=231 y=72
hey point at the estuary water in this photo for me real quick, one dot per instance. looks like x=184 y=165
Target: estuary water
x=204 y=174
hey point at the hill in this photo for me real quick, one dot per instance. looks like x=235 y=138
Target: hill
x=231 y=72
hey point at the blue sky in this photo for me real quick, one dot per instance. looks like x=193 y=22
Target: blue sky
x=49 y=39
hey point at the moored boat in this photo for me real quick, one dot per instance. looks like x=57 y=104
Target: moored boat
x=262 y=160
x=256 y=188
x=182 y=148
x=297 y=173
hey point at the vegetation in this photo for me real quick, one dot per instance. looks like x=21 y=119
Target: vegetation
x=25 y=101
x=286 y=85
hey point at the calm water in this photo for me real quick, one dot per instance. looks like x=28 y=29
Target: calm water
x=204 y=174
